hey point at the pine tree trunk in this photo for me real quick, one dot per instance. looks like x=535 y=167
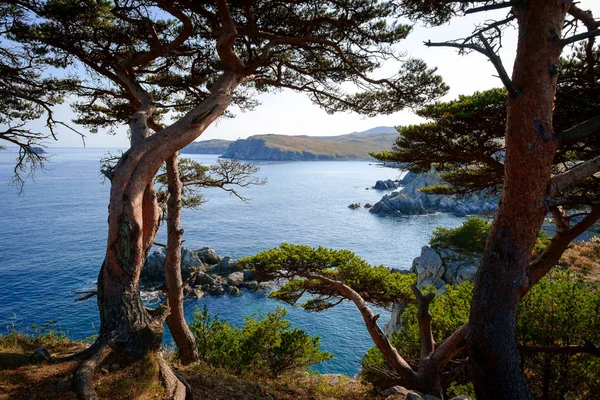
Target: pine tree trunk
x=176 y=320
x=530 y=149
x=133 y=223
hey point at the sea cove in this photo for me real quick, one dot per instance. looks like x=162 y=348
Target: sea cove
x=54 y=239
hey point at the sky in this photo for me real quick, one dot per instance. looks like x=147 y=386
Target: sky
x=289 y=113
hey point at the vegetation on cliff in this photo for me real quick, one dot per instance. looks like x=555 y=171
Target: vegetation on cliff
x=354 y=146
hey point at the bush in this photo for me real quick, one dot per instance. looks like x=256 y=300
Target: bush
x=470 y=236
x=560 y=310
x=264 y=344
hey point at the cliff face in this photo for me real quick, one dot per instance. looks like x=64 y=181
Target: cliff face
x=309 y=148
x=257 y=149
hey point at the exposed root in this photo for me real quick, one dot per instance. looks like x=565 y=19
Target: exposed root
x=83 y=377
x=174 y=385
x=82 y=355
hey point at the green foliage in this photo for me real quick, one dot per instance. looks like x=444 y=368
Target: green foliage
x=449 y=312
x=456 y=389
x=558 y=311
x=301 y=265
x=264 y=344
x=46 y=335
x=463 y=139
x=470 y=236
x=561 y=311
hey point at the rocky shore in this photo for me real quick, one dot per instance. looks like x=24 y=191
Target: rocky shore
x=203 y=271
x=411 y=201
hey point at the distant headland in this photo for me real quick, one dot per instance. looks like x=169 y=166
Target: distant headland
x=353 y=146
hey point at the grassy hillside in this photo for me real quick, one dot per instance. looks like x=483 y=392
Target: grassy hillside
x=345 y=147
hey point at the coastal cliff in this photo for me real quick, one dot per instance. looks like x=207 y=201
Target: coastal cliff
x=354 y=146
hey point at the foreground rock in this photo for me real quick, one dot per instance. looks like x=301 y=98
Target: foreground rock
x=203 y=271
x=411 y=201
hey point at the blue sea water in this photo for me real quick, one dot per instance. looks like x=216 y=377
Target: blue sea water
x=53 y=237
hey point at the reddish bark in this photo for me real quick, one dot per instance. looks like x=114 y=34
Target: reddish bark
x=426 y=378
x=179 y=328
x=133 y=222
x=530 y=149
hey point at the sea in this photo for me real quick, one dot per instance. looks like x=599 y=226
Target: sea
x=53 y=237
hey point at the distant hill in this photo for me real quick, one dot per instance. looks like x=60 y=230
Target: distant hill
x=213 y=146
x=378 y=129
x=354 y=146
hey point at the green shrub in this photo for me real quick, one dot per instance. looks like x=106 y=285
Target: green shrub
x=264 y=344
x=560 y=310
x=470 y=236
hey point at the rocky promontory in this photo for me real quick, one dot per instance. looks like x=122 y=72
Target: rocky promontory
x=202 y=270
x=411 y=201
x=354 y=146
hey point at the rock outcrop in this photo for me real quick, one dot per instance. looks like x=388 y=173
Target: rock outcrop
x=203 y=271
x=441 y=266
x=411 y=201
x=386 y=185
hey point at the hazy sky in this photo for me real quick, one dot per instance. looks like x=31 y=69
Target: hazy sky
x=290 y=113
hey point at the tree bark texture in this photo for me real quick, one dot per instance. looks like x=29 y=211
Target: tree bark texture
x=530 y=149
x=133 y=222
x=176 y=319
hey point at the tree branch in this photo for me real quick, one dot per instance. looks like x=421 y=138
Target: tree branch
x=379 y=337
x=575 y=175
x=578 y=132
x=489 y=7
x=486 y=51
x=555 y=249
x=424 y=317
x=226 y=40
x=497 y=62
x=581 y=36
x=589 y=348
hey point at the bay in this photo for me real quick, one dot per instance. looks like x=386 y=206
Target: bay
x=53 y=239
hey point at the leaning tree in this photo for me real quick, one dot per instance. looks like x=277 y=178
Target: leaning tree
x=323 y=278
x=169 y=69
x=531 y=180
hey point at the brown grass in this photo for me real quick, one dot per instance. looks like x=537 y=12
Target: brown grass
x=583 y=259
x=354 y=146
x=21 y=378
x=211 y=383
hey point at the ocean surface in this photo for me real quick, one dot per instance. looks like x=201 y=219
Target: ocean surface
x=53 y=238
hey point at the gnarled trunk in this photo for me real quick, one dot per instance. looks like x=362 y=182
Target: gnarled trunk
x=126 y=325
x=180 y=330
x=530 y=149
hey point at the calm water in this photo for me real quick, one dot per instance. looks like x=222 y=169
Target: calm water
x=53 y=237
